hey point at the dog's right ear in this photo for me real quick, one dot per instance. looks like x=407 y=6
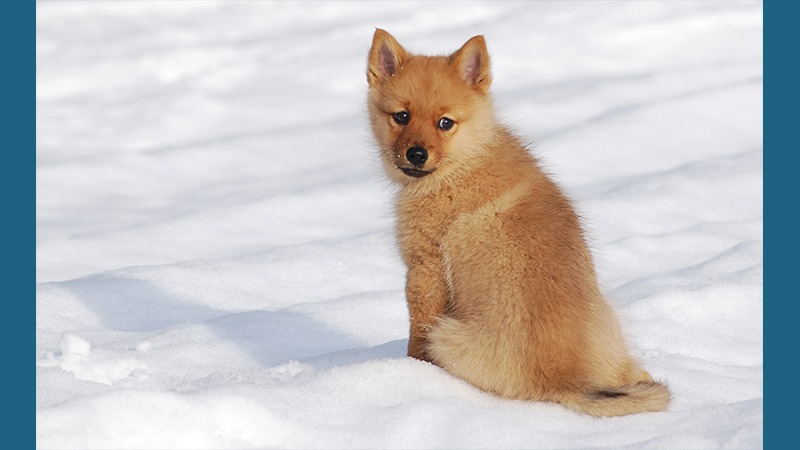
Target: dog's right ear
x=385 y=57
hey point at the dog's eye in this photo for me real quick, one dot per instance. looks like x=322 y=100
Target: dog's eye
x=445 y=123
x=401 y=117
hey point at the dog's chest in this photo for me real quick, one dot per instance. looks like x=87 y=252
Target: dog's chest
x=424 y=221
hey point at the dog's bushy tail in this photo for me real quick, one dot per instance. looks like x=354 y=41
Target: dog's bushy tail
x=645 y=396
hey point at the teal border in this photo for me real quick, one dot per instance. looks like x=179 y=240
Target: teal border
x=18 y=148
x=781 y=147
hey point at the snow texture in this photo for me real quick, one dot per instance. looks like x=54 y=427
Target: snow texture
x=215 y=262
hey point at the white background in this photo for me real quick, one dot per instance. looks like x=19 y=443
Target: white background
x=214 y=256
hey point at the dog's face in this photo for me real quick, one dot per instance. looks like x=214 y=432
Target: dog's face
x=427 y=112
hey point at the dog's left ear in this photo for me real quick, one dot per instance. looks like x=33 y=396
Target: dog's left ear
x=472 y=63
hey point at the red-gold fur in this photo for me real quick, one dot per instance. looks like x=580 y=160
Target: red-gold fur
x=501 y=287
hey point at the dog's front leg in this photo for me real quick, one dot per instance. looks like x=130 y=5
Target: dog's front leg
x=426 y=294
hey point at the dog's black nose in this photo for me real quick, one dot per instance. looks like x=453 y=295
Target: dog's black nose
x=417 y=155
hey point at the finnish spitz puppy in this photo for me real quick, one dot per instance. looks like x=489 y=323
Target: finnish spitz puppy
x=501 y=286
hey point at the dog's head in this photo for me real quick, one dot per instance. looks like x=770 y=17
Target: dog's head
x=430 y=114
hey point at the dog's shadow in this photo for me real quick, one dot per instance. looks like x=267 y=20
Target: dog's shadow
x=391 y=349
x=270 y=338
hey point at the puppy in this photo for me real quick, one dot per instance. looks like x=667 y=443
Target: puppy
x=501 y=287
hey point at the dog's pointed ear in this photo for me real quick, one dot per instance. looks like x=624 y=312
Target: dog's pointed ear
x=472 y=63
x=385 y=57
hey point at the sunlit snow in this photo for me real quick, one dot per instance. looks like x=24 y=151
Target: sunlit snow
x=215 y=262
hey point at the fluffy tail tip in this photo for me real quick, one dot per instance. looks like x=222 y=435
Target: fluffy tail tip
x=648 y=396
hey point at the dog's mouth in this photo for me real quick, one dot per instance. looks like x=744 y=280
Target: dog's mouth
x=416 y=173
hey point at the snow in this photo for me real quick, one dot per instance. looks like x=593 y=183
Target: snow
x=215 y=265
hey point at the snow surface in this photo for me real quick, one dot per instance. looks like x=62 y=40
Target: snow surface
x=214 y=256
